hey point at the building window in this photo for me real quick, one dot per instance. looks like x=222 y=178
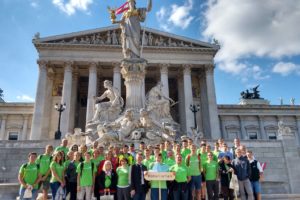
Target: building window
x=253 y=136
x=13 y=136
x=232 y=135
x=272 y=136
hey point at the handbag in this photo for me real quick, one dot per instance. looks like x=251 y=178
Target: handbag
x=27 y=194
x=234 y=184
x=107 y=196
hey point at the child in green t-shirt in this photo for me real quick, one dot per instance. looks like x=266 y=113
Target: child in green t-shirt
x=86 y=177
x=29 y=176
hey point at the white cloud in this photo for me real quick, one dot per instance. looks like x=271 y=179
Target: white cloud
x=25 y=97
x=286 y=68
x=34 y=4
x=175 y=16
x=252 y=28
x=72 y=5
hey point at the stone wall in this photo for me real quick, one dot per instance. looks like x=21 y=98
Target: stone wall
x=281 y=174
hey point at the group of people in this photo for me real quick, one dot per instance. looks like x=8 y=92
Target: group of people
x=81 y=173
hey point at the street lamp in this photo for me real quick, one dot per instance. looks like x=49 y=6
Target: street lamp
x=195 y=108
x=60 y=108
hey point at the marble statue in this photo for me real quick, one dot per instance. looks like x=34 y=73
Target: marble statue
x=114 y=38
x=108 y=38
x=150 y=39
x=119 y=130
x=292 y=101
x=131 y=28
x=283 y=129
x=157 y=103
x=112 y=107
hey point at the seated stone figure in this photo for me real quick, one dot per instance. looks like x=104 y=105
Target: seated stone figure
x=157 y=103
x=119 y=130
x=108 y=111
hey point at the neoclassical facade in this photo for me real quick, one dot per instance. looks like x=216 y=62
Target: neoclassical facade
x=72 y=68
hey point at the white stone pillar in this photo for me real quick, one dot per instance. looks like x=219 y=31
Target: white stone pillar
x=164 y=79
x=298 y=128
x=261 y=128
x=66 y=98
x=48 y=108
x=73 y=102
x=222 y=122
x=38 y=114
x=117 y=76
x=3 y=127
x=181 y=102
x=92 y=92
x=212 y=104
x=188 y=98
x=25 y=128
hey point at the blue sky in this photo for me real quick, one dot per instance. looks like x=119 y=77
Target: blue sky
x=259 y=40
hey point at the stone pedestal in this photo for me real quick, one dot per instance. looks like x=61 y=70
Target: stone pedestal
x=254 y=102
x=133 y=71
x=292 y=160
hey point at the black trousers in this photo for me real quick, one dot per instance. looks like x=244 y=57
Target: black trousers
x=212 y=188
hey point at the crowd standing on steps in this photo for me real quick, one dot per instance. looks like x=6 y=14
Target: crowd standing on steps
x=118 y=172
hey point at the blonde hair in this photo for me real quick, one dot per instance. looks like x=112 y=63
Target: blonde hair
x=105 y=163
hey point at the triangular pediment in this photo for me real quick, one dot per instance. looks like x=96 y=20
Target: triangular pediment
x=111 y=36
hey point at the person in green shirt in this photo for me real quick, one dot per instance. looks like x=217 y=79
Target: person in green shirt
x=193 y=162
x=93 y=147
x=97 y=158
x=57 y=173
x=29 y=177
x=63 y=147
x=210 y=169
x=203 y=156
x=44 y=162
x=123 y=186
x=147 y=160
x=181 y=172
x=126 y=155
x=170 y=161
x=185 y=150
x=85 y=178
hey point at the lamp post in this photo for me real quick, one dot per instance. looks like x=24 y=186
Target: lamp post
x=60 y=108
x=195 y=108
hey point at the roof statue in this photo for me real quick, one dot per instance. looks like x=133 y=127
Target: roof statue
x=130 y=26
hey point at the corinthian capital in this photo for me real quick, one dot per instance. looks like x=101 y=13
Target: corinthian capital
x=68 y=65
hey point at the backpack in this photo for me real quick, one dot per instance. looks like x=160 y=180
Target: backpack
x=82 y=165
x=26 y=164
x=189 y=157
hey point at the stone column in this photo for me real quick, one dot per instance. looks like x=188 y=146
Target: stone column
x=188 y=98
x=73 y=102
x=242 y=127
x=164 y=79
x=3 y=127
x=298 y=128
x=291 y=160
x=181 y=103
x=224 y=133
x=25 y=128
x=38 y=114
x=117 y=76
x=92 y=92
x=48 y=105
x=261 y=128
x=66 y=98
x=204 y=103
x=212 y=103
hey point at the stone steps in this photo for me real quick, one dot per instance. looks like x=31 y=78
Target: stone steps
x=280 y=196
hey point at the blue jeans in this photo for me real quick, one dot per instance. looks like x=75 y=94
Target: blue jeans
x=34 y=194
x=54 y=187
x=139 y=196
x=155 y=194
